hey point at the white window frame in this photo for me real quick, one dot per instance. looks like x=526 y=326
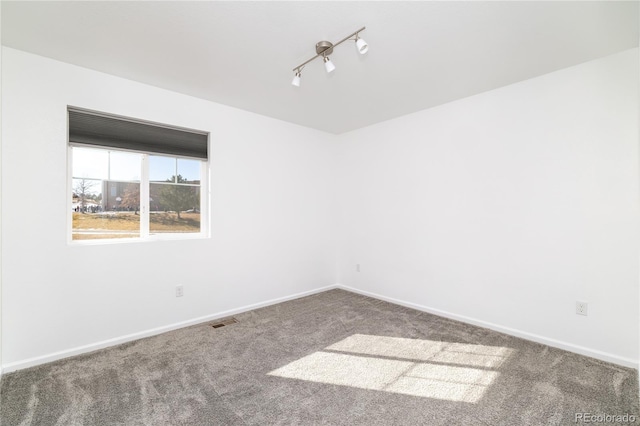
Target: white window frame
x=145 y=235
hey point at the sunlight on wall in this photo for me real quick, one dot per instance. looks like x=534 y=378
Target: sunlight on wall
x=442 y=370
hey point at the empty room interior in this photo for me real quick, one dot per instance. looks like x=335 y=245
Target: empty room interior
x=255 y=213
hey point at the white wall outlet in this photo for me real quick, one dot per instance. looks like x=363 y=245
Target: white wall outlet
x=179 y=291
x=357 y=267
x=581 y=308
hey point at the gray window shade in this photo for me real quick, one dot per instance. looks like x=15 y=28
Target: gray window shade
x=103 y=130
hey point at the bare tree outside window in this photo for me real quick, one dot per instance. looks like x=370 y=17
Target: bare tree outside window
x=83 y=190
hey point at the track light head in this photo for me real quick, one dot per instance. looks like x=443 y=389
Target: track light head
x=296 y=79
x=361 y=45
x=328 y=65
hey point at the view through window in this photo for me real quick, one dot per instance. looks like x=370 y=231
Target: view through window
x=118 y=194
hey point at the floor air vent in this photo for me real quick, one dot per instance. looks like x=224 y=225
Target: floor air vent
x=223 y=322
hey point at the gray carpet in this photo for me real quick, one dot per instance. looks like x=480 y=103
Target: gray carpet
x=331 y=358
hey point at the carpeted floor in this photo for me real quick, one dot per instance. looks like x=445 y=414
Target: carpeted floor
x=331 y=358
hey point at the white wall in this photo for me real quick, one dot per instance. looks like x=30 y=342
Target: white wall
x=272 y=226
x=0 y=195
x=505 y=208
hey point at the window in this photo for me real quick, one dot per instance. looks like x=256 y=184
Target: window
x=128 y=183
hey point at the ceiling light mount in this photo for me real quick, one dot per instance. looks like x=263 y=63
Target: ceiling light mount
x=325 y=48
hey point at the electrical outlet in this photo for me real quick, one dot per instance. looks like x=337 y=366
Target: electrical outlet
x=581 y=308
x=179 y=291
x=357 y=267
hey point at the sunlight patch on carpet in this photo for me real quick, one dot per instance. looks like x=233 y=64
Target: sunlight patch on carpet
x=431 y=369
x=424 y=350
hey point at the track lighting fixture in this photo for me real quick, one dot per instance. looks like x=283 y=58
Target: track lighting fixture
x=325 y=48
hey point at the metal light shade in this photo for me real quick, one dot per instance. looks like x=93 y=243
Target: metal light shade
x=328 y=65
x=362 y=46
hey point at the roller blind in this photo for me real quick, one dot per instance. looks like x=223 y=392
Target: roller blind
x=90 y=128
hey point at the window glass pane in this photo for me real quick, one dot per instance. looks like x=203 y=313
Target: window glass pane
x=189 y=170
x=125 y=166
x=106 y=194
x=162 y=169
x=105 y=209
x=174 y=208
x=90 y=163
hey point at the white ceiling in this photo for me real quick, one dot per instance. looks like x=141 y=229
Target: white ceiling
x=241 y=54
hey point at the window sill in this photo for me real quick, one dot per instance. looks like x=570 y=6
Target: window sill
x=151 y=238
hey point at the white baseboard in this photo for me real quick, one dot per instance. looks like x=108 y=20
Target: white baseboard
x=593 y=353
x=31 y=362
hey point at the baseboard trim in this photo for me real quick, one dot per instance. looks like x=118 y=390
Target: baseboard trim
x=593 y=353
x=79 y=350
